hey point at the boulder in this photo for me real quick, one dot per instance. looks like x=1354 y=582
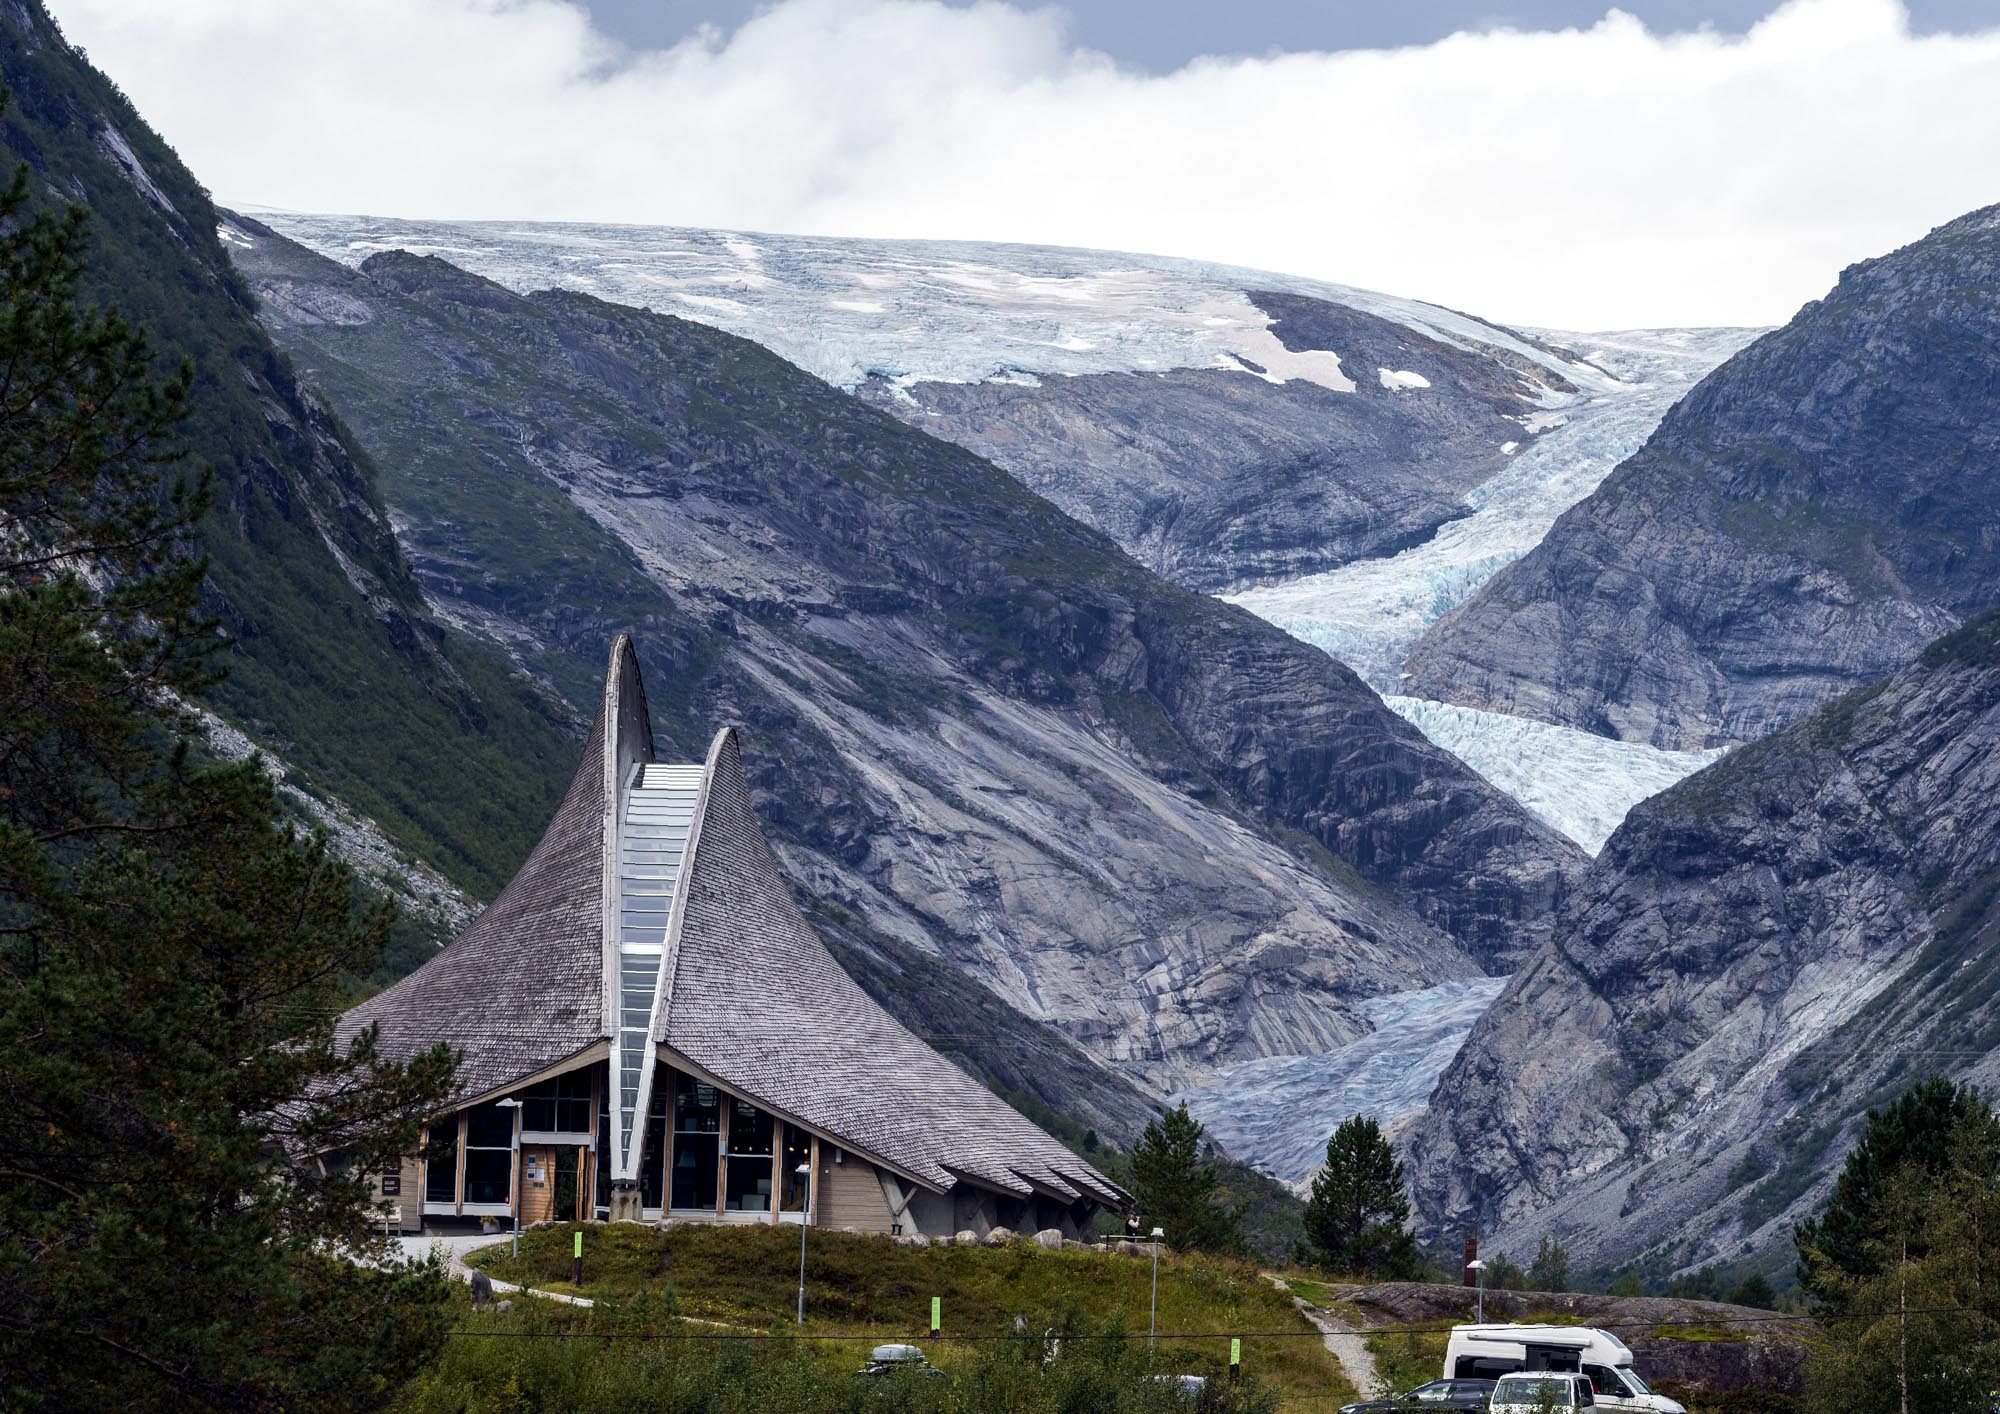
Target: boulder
x=1000 y=1237
x=482 y=1290
x=1049 y=1239
x=965 y=1237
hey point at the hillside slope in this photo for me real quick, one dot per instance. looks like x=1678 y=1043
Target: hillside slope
x=1809 y=517
x=974 y=727
x=338 y=665
x=1227 y=427
x=1759 y=954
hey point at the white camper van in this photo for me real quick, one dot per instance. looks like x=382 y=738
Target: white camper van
x=1488 y=1352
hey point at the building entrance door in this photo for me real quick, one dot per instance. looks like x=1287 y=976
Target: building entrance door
x=567 y=1191
x=537 y=1183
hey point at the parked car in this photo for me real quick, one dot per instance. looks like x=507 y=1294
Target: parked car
x=1490 y=1351
x=888 y=1359
x=1540 y=1392
x=1438 y=1394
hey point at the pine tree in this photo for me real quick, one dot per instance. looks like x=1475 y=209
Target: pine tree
x=1550 y=1269
x=183 y=1147
x=1355 y=1217
x=1175 y=1186
x=1929 y=1129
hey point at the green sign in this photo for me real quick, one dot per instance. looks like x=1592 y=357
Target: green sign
x=937 y=1314
x=1236 y=1350
x=579 y=1242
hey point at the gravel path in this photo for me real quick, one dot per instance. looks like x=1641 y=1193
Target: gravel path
x=455 y=1250
x=1348 y=1345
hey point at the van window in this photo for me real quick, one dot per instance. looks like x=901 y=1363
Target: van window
x=1552 y=1357
x=1483 y=1367
x=1605 y=1380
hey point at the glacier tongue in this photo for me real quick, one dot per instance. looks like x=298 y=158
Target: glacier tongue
x=1371 y=613
x=1580 y=783
x=1277 y=1113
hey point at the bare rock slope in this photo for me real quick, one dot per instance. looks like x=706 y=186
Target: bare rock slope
x=1809 y=517
x=1759 y=954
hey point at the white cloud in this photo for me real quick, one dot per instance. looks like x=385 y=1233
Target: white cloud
x=1584 y=178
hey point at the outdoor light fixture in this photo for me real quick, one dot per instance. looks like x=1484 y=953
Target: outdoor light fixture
x=804 y=1171
x=510 y=1103
x=1153 y=1333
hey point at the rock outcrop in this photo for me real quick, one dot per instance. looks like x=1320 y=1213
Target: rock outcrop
x=1759 y=954
x=1808 y=518
x=978 y=732
x=1218 y=481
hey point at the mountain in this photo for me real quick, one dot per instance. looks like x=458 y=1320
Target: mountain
x=976 y=728
x=1806 y=520
x=337 y=664
x=1759 y=954
x=1227 y=427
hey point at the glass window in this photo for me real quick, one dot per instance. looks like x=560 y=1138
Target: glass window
x=489 y=1175
x=697 y=1126
x=603 y=1185
x=697 y=1107
x=797 y=1189
x=441 y=1164
x=558 y=1106
x=489 y=1127
x=752 y=1135
x=653 y=1157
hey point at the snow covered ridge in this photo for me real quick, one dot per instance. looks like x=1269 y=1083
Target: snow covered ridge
x=931 y=311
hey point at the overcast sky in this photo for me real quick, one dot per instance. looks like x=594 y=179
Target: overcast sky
x=1541 y=161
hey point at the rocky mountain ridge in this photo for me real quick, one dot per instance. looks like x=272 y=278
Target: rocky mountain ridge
x=976 y=729
x=1758 y=955
x=1804 y=521
x=1226 y=427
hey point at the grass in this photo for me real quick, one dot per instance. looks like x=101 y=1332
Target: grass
x=868 y=1290
x=1707 y=1335
x=1410 y=1355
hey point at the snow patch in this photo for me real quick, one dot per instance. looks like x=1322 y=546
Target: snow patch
x=1401 y=379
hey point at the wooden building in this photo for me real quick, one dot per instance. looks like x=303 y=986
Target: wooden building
x=650 y=1029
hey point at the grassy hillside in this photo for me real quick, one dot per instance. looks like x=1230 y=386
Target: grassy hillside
x=865 y=1290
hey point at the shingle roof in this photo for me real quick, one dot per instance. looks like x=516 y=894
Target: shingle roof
x=755 y=998
x=748 y=991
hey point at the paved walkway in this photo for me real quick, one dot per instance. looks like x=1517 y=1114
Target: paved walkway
x=455 y=1249
x=1349 y=1346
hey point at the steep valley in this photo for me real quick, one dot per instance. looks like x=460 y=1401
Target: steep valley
x=978 y=731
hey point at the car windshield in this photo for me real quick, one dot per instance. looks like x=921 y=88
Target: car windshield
x=1551 y=1392
x=1638 y=1385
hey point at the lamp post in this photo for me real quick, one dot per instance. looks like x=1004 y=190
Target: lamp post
x=515 y=1105
x=804 y=1171
x=1153 y=1330
x=1477 y=1266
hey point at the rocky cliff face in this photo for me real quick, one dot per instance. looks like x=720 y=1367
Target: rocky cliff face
x=1758 y=955
x=976 y=729
x=1218 y=481
x=1810 y=516
x=439 y=748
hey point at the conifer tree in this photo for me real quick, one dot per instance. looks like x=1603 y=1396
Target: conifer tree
x=1176 y=1187
x=1356 y=1213
x=183 y=1146
x=1550 y=1269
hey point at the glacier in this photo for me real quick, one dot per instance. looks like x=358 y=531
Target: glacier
x=850 y=310
x=1580 y=783
x=1277 y=1113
